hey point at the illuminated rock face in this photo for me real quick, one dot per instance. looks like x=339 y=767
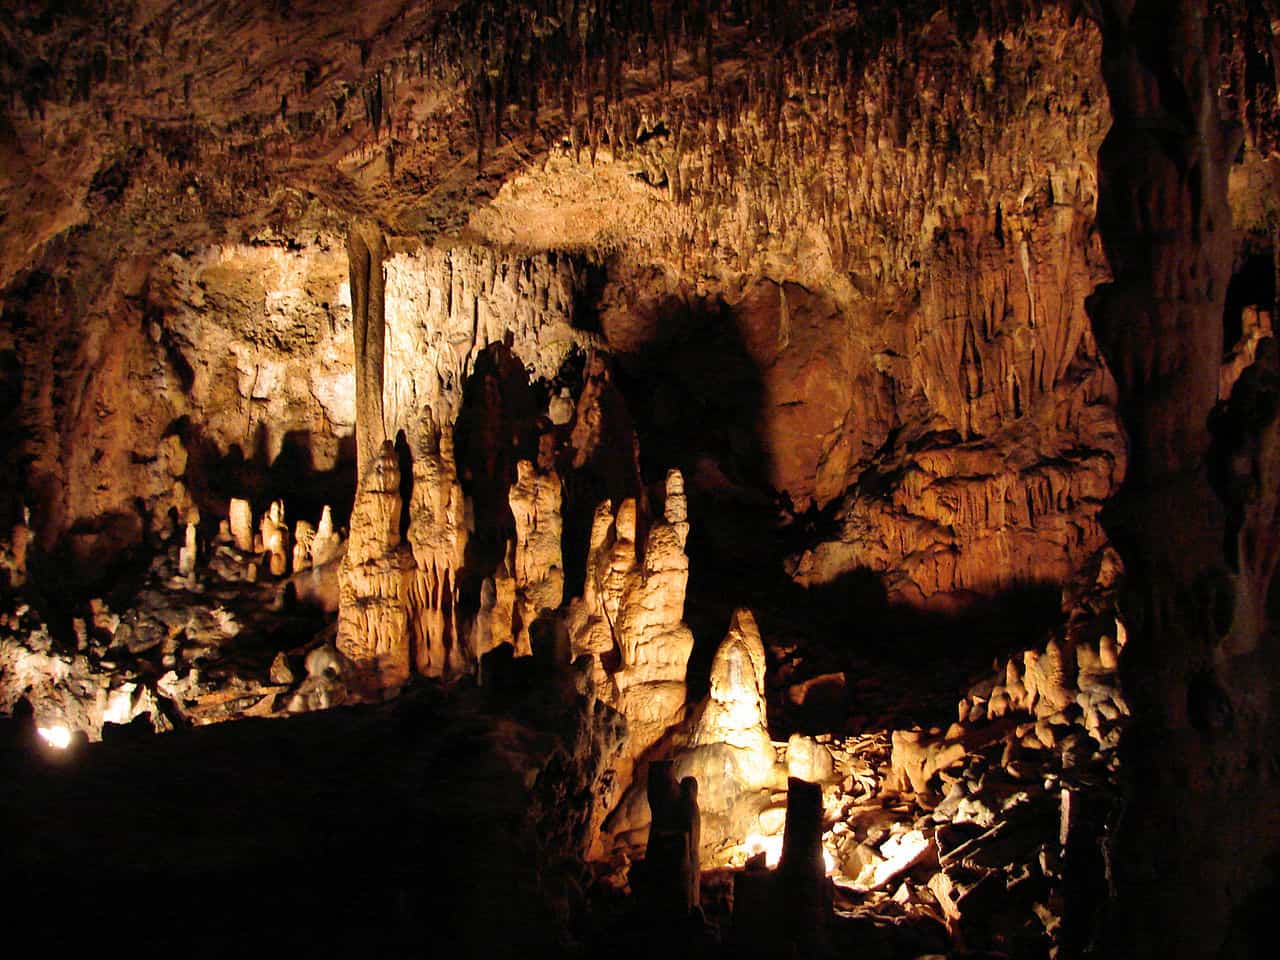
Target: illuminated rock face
x=723 y=745
x=630 y=619
x=898 y=212
x=1001 y=353
x=631 y=614
x=375 y=581
x=438 y=539
x=539 y=569
x=734 y=713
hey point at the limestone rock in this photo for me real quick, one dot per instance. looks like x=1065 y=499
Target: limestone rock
x=280 y=670
x=325 y=683
x=187 y=553
x=809 y=760
x=538 y=564
x=495 y=620
x=723 y=745
x=632 y=608
x=917 y=758
x=375 y=580
x=734 y=713
x=327 y=544
x=242 y=524
x=304 y=535
x=438 y=539
x=275 y=539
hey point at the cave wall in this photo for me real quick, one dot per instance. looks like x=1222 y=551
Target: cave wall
x=889 y=216
x=1196 y=846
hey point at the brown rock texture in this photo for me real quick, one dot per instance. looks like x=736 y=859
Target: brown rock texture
x=630 y=616
x=539 y=569
x=375 y=581
x=469 y=268
x=723 y=744
x=1195 y=521
x=438 y=539
x=630 y=620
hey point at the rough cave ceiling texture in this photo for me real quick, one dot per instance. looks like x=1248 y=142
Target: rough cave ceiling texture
x=844 y=248
x=880 y=217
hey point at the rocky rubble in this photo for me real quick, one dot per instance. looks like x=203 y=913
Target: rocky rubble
x=979 y=827
x=213 y=633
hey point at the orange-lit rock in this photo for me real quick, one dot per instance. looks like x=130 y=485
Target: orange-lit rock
x=438 y=539
x=376 y=580
x=539 y=569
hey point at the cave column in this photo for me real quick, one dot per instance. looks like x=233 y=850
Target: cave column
x=1185 y=850
x=375 y=578
x=366 y=251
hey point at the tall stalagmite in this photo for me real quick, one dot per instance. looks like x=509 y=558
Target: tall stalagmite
x=438 y=537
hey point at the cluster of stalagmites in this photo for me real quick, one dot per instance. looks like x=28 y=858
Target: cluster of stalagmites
x=991 y=827
x=984 y=835
x=398 y=614
x=173 y=654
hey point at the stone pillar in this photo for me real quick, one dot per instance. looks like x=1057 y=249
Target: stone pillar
x=790 y=908
x=803 y=889
x=668 y=880
x=1196 y=518
x=366 y=249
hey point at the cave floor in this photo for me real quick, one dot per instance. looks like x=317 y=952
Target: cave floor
x=397 y=829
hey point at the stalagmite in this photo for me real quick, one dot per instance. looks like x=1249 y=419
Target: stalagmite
x=538 y=567
x=187 y=552
x=632 y=608
x=667 y=879
x=366 y=250
x=327 y=543
x=242 y=524
x=630 y=619
x=304 y=535
x=375 y=576
x=438 y=538
x=735 y=711
x=373 y=622
x=275 y=538
x=1201 y=486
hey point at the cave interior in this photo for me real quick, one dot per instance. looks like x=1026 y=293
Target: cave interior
x=699 y=478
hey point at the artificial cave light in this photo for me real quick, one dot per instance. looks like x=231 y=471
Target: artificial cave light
x=756 y=844
x=56 y=736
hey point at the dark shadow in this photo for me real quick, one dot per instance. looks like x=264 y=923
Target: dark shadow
x=404 y=457
x=697 y=398
x=609 y=470
x=696 y=395
x=215 y=475
x=11 y=380
x=498 y=425
x=1252 y=284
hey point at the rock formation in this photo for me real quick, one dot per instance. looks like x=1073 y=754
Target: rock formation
x=668 y=878
x=935 y=300
x=438 y=539
x=373 y=616
x=1195 y=520
x=538 y=568
x=723 y=745
x=275 y=539
x=630 y=616
x=734 y=712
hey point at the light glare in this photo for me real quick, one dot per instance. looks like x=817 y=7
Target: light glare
x=57 y=736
